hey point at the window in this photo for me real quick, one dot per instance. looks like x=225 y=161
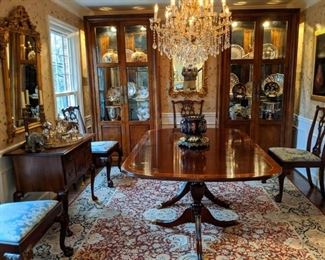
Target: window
x=65 y=57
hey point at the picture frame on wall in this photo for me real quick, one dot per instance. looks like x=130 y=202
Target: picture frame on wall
x=319 y=66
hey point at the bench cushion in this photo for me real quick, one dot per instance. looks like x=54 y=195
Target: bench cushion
x=294 y=155
x=102 y=147
x=18 y=218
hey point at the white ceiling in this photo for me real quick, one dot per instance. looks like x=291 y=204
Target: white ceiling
x=149 y=3
x=89 y=7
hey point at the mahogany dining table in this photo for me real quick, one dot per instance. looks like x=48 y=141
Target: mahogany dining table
x=231 y=156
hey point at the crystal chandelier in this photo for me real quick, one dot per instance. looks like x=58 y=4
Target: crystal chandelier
x=192 y=30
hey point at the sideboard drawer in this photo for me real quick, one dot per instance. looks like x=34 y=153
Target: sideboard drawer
x=69 y=169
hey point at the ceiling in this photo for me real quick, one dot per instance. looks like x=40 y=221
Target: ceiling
x=91 y=7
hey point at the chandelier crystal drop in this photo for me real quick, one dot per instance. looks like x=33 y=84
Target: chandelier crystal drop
x=192 y=31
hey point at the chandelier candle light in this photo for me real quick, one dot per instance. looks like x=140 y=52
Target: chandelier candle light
x=192 y=31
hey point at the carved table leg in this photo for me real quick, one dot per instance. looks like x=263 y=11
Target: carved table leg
x=183 y=190
x=92 y=180
x=197 y=213
x=214 y=199
x=63 y=197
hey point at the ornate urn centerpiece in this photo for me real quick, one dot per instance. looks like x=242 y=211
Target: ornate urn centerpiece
x=193 y=126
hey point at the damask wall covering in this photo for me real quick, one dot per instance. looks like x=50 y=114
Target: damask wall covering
x=38 y=11
x=311 y=18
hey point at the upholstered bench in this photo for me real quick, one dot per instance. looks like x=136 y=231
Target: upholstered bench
x=22 y=224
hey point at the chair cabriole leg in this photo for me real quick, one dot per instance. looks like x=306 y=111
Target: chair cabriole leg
x=309 y=177
x=321 y=181
x=278 y=197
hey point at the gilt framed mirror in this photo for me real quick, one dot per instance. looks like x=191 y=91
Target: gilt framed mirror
x=187 y=81
x=20 y=72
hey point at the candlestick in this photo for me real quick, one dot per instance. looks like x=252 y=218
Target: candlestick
x=172 y=3
x=201 y=7
x=156 y=12
x=27 y=97
x=22 y=96
x=40 y=97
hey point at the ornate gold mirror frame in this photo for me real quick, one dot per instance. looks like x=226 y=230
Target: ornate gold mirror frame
x=20 y=57
x=189 y=81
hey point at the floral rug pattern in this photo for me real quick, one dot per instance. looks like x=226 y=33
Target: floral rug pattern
x=120 y=224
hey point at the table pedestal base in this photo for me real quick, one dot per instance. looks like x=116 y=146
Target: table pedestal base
x=185 y=188
x=197 y=213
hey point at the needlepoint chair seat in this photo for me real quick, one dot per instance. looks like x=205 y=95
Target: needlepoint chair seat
x=99 y=149
x=292 y=155
x=22 y=224
x=312 y=157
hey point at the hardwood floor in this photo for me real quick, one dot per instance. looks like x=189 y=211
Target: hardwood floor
x=313 y=194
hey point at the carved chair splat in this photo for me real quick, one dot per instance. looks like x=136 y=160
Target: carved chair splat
x=99 y=149
x=312 y=157
x=187 y=107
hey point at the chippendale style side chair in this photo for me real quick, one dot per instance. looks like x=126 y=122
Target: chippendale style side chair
x=99 y=149
x=187 y=107
x=312 y=157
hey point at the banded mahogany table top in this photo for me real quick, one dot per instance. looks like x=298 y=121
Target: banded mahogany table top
x=231 y=156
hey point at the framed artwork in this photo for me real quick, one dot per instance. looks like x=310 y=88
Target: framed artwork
x=319 y=66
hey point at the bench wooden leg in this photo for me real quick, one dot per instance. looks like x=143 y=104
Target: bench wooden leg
x=64 y=221
x=108 y=171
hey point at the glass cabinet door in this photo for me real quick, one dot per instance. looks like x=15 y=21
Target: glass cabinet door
x=272 y=71
x=106 y=44
x=138 y=93
x=241 y=89
x=241 y=70
x=271 y=92
x=242 y=40
x=136 y=43
x=274 y=39
x=110 y=93
x=137 y=76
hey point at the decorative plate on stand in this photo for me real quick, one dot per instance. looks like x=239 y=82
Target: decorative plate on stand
x=237 y=52
x=273 y=85
x=269 y=51
x=131 y=89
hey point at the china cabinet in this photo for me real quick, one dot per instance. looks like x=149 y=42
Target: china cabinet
x=122 y=77
x=256 y=92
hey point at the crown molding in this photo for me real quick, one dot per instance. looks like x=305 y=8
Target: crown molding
x=74 y=8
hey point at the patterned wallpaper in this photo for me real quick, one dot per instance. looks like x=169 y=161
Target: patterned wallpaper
x=310 y=17
x=38 y=11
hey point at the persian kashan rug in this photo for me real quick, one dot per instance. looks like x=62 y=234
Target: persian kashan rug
x=119 y=226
